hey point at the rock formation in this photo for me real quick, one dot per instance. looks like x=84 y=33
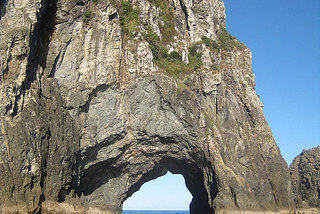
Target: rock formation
x=101 y=96
x=305 y=175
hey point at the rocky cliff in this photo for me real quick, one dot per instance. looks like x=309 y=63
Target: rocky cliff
x=305 y=175
x=101 y=96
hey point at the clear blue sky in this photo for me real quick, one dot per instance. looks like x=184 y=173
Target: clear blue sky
x=165 y=193
x=284 y=37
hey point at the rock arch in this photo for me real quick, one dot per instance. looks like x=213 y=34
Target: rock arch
x=194 y=178
x=136 y=133
x=126 y=178
x=150 y=140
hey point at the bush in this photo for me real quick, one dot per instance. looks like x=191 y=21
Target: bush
x=194 y=57
x=152 y=38
x=163 y=52
x=225 y=39
x=155 y=2
x=208 y=42
x=167 y=28
x=87 y=16
x=126 y=7
x=225 y=42
x=228 y=42
x=215 y=46
x=155 y=51
x=129 y=18
x=175 y=55
x=193 y=50
x=195 y=62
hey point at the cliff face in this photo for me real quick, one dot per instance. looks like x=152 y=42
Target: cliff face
x=305 y=175
x=99 y=97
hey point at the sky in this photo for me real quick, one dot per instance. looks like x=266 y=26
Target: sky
x=165 y=193
x=284 y=38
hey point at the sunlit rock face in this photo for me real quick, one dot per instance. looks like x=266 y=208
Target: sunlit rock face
x=99 y=97
x=305 y=175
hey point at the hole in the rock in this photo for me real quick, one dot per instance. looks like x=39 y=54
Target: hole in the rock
x=112 y=16
x=168 y=192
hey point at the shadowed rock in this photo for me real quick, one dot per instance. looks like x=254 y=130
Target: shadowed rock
x=305 y=175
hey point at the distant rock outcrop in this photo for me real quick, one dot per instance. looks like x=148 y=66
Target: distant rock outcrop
x=99 y=97
x=305 y=176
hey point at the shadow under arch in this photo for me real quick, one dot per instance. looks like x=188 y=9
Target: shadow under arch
x=106 y=185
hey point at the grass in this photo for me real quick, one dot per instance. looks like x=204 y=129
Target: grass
x=170 y=63
x=225 y=41
x=176 y=68
x=129 y=19
x=167 y=27
x=159 y=3
x=116 y=4
x=228 y=42
x=87 y=16
x=175 y=56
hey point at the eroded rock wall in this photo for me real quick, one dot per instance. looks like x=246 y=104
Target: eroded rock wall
x=39 y=141
x=99 y=97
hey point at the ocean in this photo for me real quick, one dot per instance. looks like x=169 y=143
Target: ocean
x=155 y=212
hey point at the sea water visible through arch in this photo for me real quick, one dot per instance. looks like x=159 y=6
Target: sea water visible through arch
x=155 y=212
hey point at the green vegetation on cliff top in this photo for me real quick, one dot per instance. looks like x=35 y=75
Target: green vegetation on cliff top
x=224 y=42
x=129 y=19
x=172 y=63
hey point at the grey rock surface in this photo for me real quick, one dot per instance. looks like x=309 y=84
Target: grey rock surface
x=305 y=175
x=89 y=113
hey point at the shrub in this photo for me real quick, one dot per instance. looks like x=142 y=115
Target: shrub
x=215 y=46
x=225 y=39
x=208 y=42
x=155 y=51
x=163 y=52
x=129 y=18
x=87 y=16
x=193 y=50
x=194 y=57
x=175 y=55
x=126 y=7
x=195 y=62
x=155 y=2
x=152 y=38
x=228 y=42
x=115 y=3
